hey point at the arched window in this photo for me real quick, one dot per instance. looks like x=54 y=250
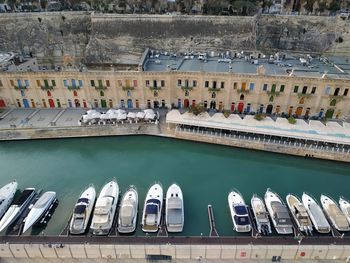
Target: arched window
x=75 y=93
x=213 y=95
x=241 y=97
x=49 y=93
x=333 y=102
x=271 y=99
x=304 y=90
x=302 y=100
x=102 y=93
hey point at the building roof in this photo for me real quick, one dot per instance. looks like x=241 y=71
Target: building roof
x=314 y=130
x=332 y=68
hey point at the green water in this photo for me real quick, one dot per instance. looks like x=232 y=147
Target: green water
x=205 y=172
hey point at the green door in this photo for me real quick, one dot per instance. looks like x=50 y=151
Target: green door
x=103 y=104
x=329 y=113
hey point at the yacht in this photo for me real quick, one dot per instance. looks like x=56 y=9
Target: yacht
x=174 y=209
x=278 y=212
x=299 y=213
x=39 y=209
x=82 y=211
x=317 y=217
x=128 y=211
x=105 y=208
x=152 y=210
x=261 y=215
x=239 y=212
x=334 y=214
x=7 y=194
x=345 y=207
x=17 y=208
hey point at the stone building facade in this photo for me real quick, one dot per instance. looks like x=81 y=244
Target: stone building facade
x=242 y=93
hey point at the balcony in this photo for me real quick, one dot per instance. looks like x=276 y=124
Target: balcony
x=46 y=87
x=245 y=91
x=155 y=88
x=100 y=87
x=73 y=87
x=304 y=95
x=214 y=89
x=189 y=88
x=126 y=88
x=273 y=93
x=20 y=87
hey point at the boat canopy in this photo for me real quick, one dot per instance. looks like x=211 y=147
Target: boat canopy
x=174 y=203
x=337 y=215
x=240 y=209
x=318 y=215
x=79 y=209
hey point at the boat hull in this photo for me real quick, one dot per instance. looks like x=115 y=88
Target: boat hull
x=7 y=193
x=151 y=220
x=174 y=195
x=235 y=199
x=130 y=198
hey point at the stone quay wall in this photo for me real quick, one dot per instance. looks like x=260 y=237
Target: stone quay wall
x=106 y=38
x=163 y=131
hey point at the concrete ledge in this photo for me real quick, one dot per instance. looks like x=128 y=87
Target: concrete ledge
x=47 y=251
x=78 y=251
x=5 y=251
x=33 y=250
x=122 y=251
x=18 y=251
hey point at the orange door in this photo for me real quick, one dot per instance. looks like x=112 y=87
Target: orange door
x=299 y=111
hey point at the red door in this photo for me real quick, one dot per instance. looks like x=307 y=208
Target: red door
x=2 y=103
x=186 y=103
x=232 y=107
x=85 y=105
x=240 y=107
x=51 y=103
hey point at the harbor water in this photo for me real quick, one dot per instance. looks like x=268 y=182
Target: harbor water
x=205 y=172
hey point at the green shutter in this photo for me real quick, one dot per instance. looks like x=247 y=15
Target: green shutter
x=282 y=88
x=273 y=88
x=296 y=89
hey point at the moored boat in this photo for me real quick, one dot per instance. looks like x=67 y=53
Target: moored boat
x=105 y=209
x=334 y=214
x=345 y=207
x=239 y=212
x=127 y=217
x=152 y=210
x=278 y=213
x=174 y=209
x=261 y=215
x=7 y=194
x=38 y=209
x=299 y=213
x=82 y=211
x=316 y=214
x=17 y=208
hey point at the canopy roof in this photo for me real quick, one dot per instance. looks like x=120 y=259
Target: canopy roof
x=314 y=130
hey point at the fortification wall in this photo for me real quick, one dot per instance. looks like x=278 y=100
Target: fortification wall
x=97 y=38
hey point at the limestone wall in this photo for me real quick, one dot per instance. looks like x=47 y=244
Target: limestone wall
x=180 y=252
x=122 y=38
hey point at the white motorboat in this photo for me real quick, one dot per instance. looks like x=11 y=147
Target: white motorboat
x=334 y=214
x=17 y=208
x=7 y=194
x=345 y=207
x=82 y=211
x=174 y=209
x=128 y=211
x=299 y=213
x=261 y=215
x=38 y=209
x=278 y=213
x=152 y=210
x=316 y=214
x=239 y=212
x=105 y=208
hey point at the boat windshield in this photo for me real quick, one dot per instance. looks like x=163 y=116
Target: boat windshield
x=240 y=210
x=242 y=220
x=83 y=200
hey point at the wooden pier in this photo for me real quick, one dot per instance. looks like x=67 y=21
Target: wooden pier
x=213 y=232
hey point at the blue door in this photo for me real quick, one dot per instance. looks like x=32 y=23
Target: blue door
x=70 y=104
x=129 y=103
x=179 y=104
x=248 y=108
x=320 y=114
x=25 y=103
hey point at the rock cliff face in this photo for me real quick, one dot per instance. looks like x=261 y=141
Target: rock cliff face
x=122 y=38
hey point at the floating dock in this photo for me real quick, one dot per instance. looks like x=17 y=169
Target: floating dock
x=213 y=231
